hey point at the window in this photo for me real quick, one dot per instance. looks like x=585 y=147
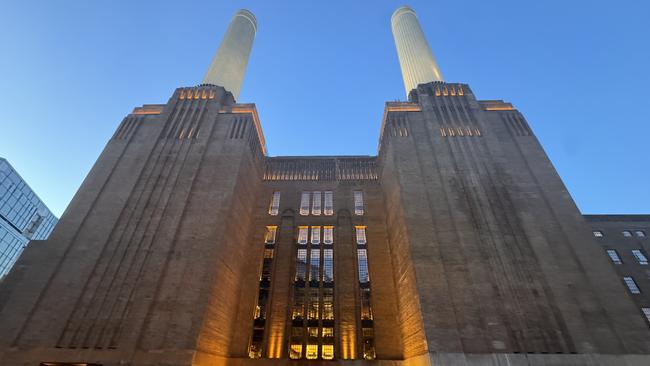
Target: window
x=312 y=351
x=295 y=353
x=328 y=235
x=631 y=285
x=640 y=258
x=627 y=233
x=329 y=203
x=328 y=304
x=361 y=235
x=304 y=204
x=640 y=233
x=274 y=207
x=646 y=312
x=302 y=234
x=315 y=234
x=301 y=264
x=613 y=255
x=598 y=233
x=298 y=310
x=366 y=309
x=329 y=332
x=313 y=304
x=315 y=205
x=328 y=265
x=358 y=203
x=269 y=238
x=362 y=255
x=328 y=351
x=314 y=265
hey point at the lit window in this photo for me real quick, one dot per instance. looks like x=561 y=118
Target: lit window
x=312 y=332
x=314 y=305
x=329 y=203
x=368 y=343
x=631 y=285
x=627 y=233
x=328 y=351
x=328 y=235
x=358 y=203
x=315 y=234
x=302 y=234
x=362 y=255
x=274 y=207
x=646 y=312
x=314 y=265
x=312 y=351
x=298 y=310
x=640 y=258
x=613 y=255
x=328 y=304
x=315 y=205
x=304 y=204
x=329 y=332
x=301 y=264
x=640 y=233
x=598 y=233
x=361 y=235
x=268 y=253
x=269 y=238
x=295 y=352
x=328 y=265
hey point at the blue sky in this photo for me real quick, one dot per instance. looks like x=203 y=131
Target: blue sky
x=320 y=73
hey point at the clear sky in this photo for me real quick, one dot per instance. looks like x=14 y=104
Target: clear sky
x=320 y=73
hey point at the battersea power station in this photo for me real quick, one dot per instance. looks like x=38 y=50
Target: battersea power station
x=457 y=244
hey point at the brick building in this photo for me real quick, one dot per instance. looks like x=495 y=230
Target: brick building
x=457 y=244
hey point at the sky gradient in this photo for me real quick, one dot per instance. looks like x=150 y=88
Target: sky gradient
x=320 y=73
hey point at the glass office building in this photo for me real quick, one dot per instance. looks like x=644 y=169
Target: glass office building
x=23 y=217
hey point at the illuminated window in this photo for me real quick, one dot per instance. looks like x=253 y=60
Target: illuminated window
x=361 y=235
x=368 y=343
x=314 y=305
x=274 y=207
x=295 y=352
x=598 y=233
x=627 y=233
x=358 y=203
x=646 y=312
x=255 y=349
x=328 y=351
x=328 y=304
x=269 y=237
x=303 y=231
x=362 y=256
x=312 y=332
x=304 y=204
x=328 y=332
x=315 y=205
x=613 y=255
x=315 y=234
x=328 y=235
x=631 y=285
x=298 y=309
x=640 y=233
x=301 y=264
x=314 y=265
x=640 y=258
x=329 y=203
x=312 y=351
x=328 y=265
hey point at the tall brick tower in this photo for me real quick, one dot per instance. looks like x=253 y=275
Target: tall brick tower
x=458 y=244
